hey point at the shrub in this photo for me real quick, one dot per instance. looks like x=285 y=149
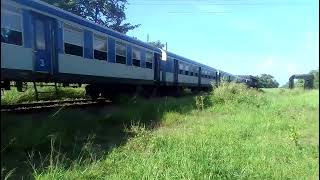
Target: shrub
x=230 y=93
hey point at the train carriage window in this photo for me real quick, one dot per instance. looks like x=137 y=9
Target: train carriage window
x=191 y=73
x=186 y=70
x=73 y=40
x=100 y=47
x=11 y=26
x=121 y=50
x=149 y=60
x=136 y=57
x=180 y=68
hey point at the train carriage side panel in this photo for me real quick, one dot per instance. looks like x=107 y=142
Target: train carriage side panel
x=16 y=51
x=88 y=45
x=69 y=64
x=111 y=50
x=186 y=75
x=77 y=64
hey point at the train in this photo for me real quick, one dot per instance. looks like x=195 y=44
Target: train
x=42 y=43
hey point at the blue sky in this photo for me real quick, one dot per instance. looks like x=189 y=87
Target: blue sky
x=280 y=37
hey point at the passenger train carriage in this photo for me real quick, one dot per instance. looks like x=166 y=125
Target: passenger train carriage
x=42 y=43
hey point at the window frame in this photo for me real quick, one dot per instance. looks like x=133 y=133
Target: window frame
x=115 y=51
x=63 y=38
x=19 y=13
x=152 y=62
x=137 y=49
x=93 y=49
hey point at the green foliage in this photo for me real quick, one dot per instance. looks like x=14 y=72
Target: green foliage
x=13 y=96
x=110 y=13
x=316 y=78
x=300 y=82
x=267 y=81
x=200 y=102
x=230 y=93
x=157 y=44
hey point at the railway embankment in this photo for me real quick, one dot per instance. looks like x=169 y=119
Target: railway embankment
x=230 y=133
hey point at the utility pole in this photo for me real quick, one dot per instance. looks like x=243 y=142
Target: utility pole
x=147 y=37
x=166 y=46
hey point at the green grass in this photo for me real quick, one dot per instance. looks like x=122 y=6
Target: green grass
x=232 y=133
x=13 y=96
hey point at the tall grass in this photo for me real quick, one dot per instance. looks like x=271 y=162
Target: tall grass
x=232 y=133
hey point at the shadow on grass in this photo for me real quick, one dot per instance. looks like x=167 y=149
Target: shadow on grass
x=26 y=137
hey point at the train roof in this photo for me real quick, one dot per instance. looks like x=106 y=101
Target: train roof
x=189 y=60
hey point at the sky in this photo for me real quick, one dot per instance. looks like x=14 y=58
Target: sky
x=242 y=37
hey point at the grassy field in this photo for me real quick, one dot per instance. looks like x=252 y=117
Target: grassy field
x=232 y=133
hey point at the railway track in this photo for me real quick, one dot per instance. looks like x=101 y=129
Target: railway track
x=47 y=105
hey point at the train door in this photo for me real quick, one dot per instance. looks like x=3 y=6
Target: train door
x=163 y=71
x=42 y=27
x=157 y=67
x=175 y=71
x=164 y=62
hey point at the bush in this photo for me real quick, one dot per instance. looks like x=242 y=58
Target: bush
x=230 y=93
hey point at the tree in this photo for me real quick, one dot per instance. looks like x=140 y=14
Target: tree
x=316 y=78
x=300 y=82
x=109 y=13
x=157 y=44
x=267 y=81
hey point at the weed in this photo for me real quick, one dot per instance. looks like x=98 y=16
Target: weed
x=200 y=102
x=294 y=136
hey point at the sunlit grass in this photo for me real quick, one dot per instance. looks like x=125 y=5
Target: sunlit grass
x=232 y=133
x=13 y=96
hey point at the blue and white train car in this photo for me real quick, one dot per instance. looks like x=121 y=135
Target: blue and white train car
x=40 y=42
